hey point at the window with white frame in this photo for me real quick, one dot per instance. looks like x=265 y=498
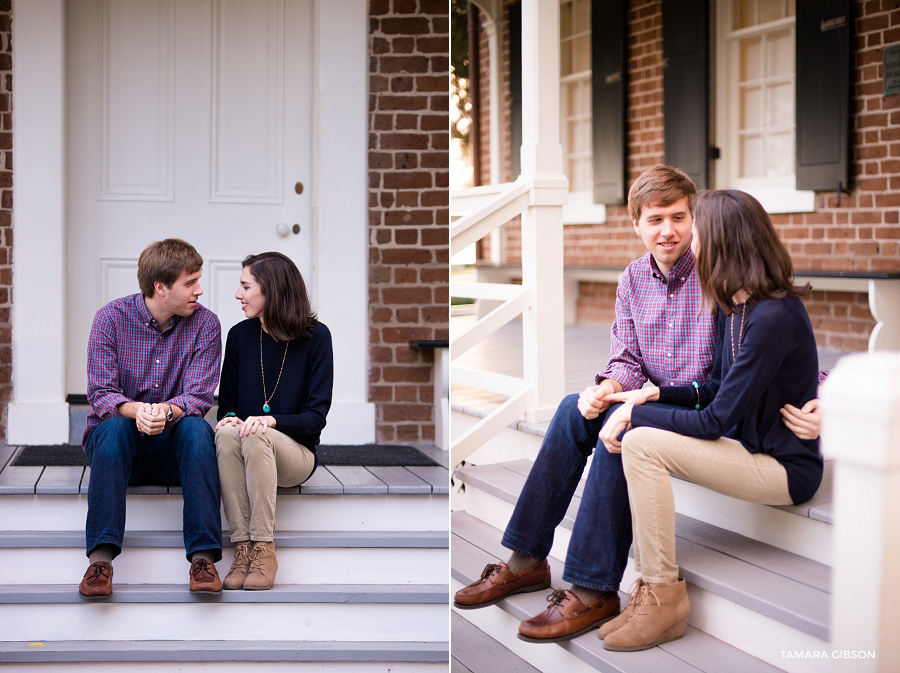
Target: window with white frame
x=575 y=111
x=755 y=90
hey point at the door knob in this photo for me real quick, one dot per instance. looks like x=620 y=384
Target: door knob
x=284 y=230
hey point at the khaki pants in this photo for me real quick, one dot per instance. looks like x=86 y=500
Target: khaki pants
x=722 y=465
x=250 y=470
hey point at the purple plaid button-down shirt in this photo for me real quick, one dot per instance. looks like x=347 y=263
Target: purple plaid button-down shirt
x=663 y=331
x=130 y=360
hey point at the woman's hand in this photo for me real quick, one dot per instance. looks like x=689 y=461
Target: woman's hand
x=251 y=423
x=228 y=420
x=639 y=396
x=615 y=426
x=802 y=422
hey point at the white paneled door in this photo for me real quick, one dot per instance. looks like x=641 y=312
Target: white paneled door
x=188 y=119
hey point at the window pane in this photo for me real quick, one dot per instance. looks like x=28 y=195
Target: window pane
x=779 y=53
x=744 y=13
x=582 y=53
x=751 y=108
x=751 y=156
x=780 y=104
x=779 y=154
x=751 y=58
x=572 y=132
x=583 y=16
x=770 y=10
x=565 y=58
x=565 y=20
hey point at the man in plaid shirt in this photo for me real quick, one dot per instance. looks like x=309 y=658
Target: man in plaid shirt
x=153 y=364
x=662 y=333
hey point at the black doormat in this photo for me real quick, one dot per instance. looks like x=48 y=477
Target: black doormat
x=371 y=454
x=365 y=454
x=61 y=455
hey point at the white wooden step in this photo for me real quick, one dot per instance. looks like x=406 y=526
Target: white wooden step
x=801 y=529
x=224 y=651
x=780 y=585
x=475 y=544
x=385 y=512
x=232 y=616
x=474 y=651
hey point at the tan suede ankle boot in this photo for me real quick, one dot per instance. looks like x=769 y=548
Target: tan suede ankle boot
x=239 y=567
x=659 y=616
x=263 y=566
x=615 y=624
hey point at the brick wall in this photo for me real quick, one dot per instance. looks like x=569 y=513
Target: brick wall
x=408 y=210
x=862 y=234
x=6 y=205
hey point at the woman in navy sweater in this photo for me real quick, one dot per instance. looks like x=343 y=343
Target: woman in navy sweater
x=730 y=438
x=275 y=392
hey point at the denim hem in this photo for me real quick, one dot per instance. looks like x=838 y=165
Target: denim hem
x=216 y=548
x=116 y=544
x=588 y=584
x=521 y=550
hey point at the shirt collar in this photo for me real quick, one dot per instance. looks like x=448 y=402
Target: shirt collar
x=146 y=317
x=680 y=271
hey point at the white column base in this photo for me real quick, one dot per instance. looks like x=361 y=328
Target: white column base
x=350 y=423
x=33 y=423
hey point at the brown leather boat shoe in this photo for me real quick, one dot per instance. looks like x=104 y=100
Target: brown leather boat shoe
x=97 y=581
x=568 y=617
x=497 y=582
x=204 y=578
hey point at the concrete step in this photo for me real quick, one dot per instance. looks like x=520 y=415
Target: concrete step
x=474 y=544
x=801 y=529
x=270 y=651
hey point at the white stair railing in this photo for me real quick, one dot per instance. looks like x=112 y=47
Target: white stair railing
x=538 y=197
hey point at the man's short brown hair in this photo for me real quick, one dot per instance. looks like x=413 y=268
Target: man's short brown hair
x=660 y=186
x=164 y=261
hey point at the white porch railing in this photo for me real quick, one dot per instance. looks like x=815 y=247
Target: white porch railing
x=487 y=209
x=538 y=197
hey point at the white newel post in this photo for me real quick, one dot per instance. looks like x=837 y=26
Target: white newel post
x=542 y=228
x=861 y=432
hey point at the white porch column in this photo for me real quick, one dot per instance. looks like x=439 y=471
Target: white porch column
x=38 y=413
x=861 y=431
x=542 y=230
x=340 y=210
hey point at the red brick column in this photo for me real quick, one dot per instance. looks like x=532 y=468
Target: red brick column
x=409 y=72
x=6 y=204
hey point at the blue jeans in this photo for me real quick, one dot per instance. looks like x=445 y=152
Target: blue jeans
x=601 y=536
x=120 y=456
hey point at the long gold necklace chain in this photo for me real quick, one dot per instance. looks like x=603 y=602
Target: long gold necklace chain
x=267 y=399
x=740 y=332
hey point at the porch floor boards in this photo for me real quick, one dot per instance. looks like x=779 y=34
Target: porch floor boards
x=337 y=480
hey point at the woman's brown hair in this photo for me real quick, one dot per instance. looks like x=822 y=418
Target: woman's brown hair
x=287 y=313
x=740 y=250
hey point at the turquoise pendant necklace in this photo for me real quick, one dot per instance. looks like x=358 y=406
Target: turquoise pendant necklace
x=268 y=398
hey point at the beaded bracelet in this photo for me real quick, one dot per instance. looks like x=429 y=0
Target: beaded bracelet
x=231 y=413
x=697 y=388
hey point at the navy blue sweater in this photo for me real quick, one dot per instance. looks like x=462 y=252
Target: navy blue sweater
x=303 y=396
x=777 y=364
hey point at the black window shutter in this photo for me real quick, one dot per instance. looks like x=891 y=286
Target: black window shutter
x=686 y=87
x=609 y=87
x=823 y=93
x=514 y=26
